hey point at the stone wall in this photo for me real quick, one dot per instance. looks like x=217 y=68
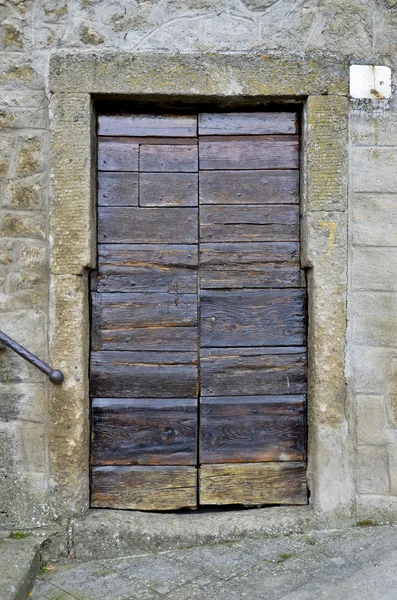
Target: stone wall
x=30 y=30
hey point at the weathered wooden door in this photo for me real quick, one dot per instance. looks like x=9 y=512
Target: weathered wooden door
x=198 y=358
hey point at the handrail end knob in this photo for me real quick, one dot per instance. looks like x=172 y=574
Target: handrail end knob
x=56 y=376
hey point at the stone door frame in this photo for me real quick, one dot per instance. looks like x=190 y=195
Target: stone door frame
x=320 y=83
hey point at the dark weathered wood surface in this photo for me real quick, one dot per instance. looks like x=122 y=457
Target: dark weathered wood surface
x=252 y=429
x=117 y=189
x=169 y=158
x=249 y=152
x=247 y=123
x=147 y=225
x=168 y=189
x=148 y=310
x=253 y=371
x=278 y=223
x=249 y=187
x=118 y=155
x=253 y=484
x=164 y=228
x=144 y=488
x=144 y=432
x=249 y=265
x=148 y=125
x=144 y=374
x=253 y=318
x=146 y=321
x=149 y=338
x=147 y=268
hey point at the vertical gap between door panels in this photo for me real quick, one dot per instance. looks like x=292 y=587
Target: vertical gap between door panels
x=198 y=316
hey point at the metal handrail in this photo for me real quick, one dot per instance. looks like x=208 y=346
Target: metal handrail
x=54 y=375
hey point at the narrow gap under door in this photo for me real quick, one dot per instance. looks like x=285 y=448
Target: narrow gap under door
x=198 y=345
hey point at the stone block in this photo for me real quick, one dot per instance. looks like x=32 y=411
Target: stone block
x=372 y=470
x=32 y=155
x=271 y=74
x=69 y=403
x=374 y=219
x=28 y=194
x=371 y=420
x=373 y=318
x=20 y=224
x=373 y=169
x=371 y=368
x=374 y=268
x=371 y=128
x=27 y=402
x=325 y=153
x=32 y=446
x=72 y=203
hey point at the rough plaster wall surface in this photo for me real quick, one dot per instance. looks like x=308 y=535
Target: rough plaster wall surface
x=30 y=30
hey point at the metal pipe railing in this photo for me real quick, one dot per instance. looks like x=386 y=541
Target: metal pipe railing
x=54 y=375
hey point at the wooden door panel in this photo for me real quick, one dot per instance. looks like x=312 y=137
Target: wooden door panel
x=198 y=216
x=168 y=158
x=249 y=265
x=144 y=374
x=252 y=429
x=141 y=225
x=252 y=318
x=148 y=125
x=248 y=123
x=249 y=152
x=144 y=488
x=157 y=431
x=249 y=187
x=118 y=155
x=145 y=321
x=168 y=189
x=253 y=483
x=117 y=189
x=147 y=268
x=248 y=223
x=253 y=371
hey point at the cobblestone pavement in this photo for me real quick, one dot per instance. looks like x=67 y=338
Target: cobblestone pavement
x=355 y=564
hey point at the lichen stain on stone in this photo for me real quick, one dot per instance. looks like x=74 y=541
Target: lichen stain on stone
x=89 y=36
x=6 y=119
x=28 y=162
x=12 y=36
x=331 y=226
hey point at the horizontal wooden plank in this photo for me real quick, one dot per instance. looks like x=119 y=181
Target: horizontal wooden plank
x=144 y=374
x=249 y=223
x=252 y=429
x=249 y=187
x=147 y=310
x=172 y=157
x=144 y=488
x=253 y=484
x=147 y=268
x=144 y=432
x=253 y=317
x=117 y=189
x=117 y=155
x=149 y=338
x=146 y=321
x=148 y=125
x=253 y=371
x=250 y=265
x=248 y=123
x=147 y=225
x=168 y=189
x=249 y=152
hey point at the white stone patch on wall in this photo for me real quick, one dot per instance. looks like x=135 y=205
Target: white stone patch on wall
x=370 y=81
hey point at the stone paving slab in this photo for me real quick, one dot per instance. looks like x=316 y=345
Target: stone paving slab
x=359 y=563
x=19 y=564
